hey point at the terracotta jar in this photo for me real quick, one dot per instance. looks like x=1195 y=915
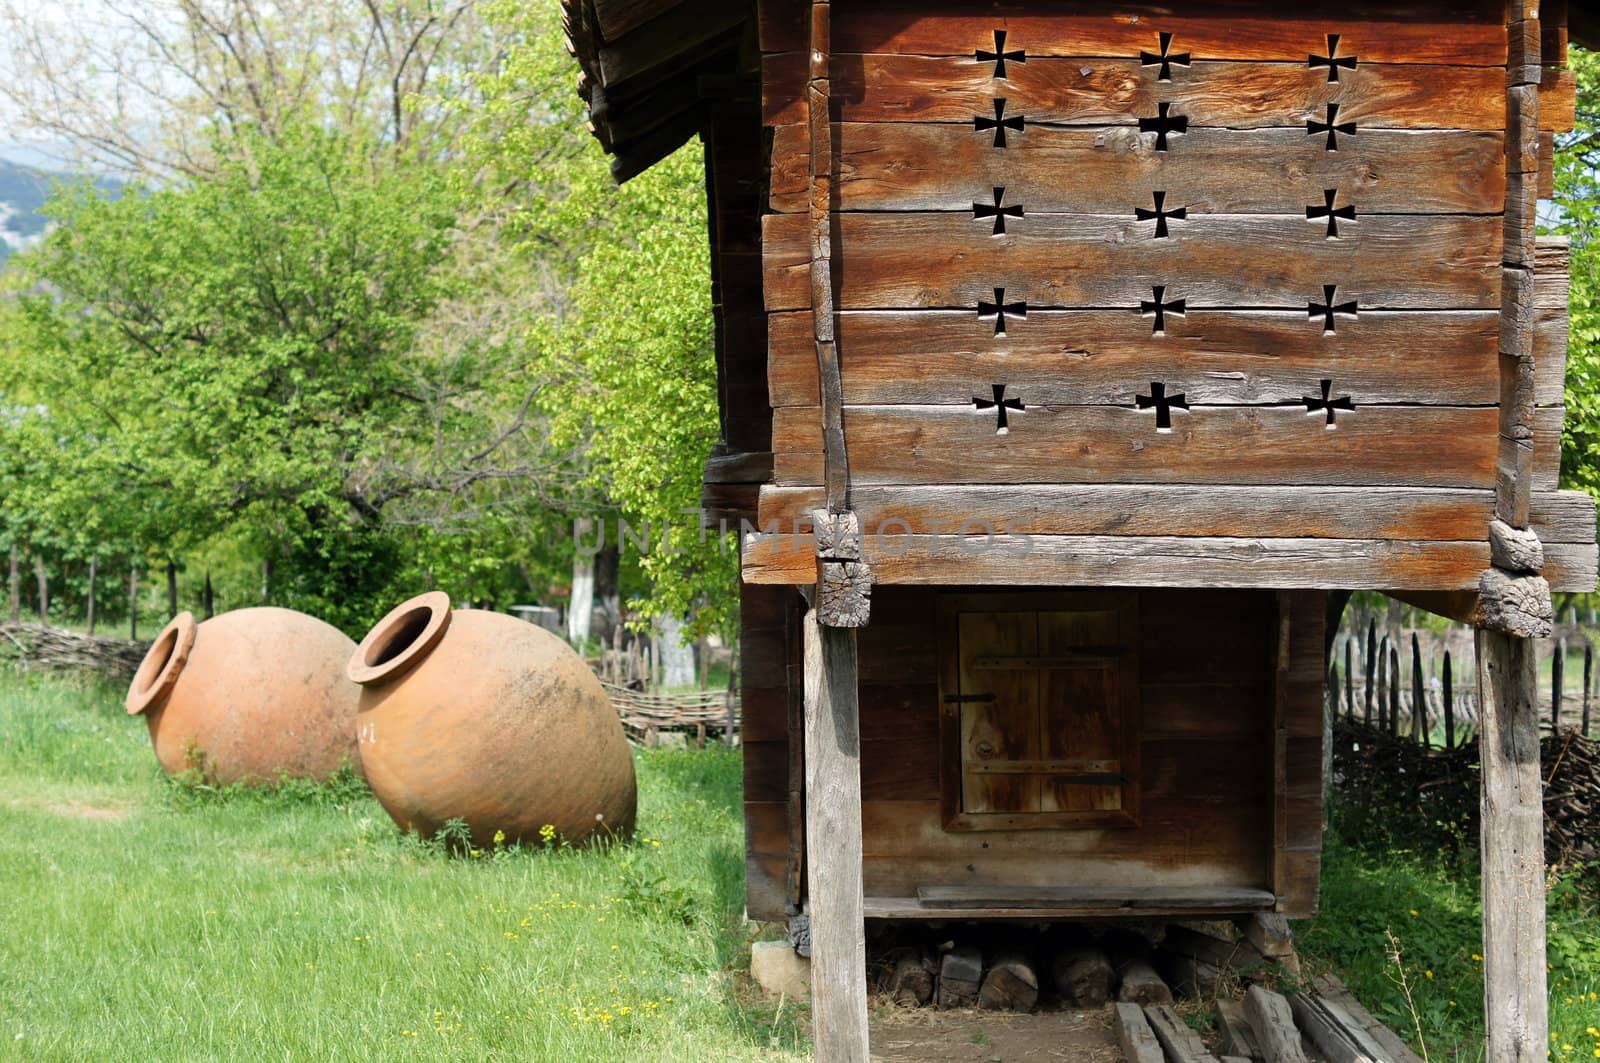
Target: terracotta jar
x=249 y=696
x=479 y=716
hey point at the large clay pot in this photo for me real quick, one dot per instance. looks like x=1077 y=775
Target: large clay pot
x=479 y=716
x=249 y=696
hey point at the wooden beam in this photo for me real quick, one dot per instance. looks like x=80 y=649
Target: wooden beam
x=833 y=844
x=1515 y=994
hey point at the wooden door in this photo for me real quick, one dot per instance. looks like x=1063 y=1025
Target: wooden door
x=1039 y=723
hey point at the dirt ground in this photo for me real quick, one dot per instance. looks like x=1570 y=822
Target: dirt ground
x=994 y=1037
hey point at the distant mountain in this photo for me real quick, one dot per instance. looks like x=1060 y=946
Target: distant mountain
x=23 y=191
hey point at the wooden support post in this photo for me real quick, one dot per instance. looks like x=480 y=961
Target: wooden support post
x=1349 y=681
x=1515 y=1001
x=1394 y=690
x=833 y=844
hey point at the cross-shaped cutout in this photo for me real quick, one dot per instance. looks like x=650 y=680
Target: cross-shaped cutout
x=1165 y=58
x=1164 y=404
x=1327 y=308
x=1333 y=60
x=1160 y=308
x=1160 y=214
x=1332 y=213
x=999 y=123
x=1000 y=308
x=1162 y=124
x=1326 y=401
x=999 y=404
x=997 y=212
x=999 y=56
x=1333 y=127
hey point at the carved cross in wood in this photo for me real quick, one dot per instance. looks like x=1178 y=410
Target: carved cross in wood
x=1160 y=214
x=1332 y=213
x=1333 y=127
x=1160 y=308
x=997 y=212
x=1327 y=308
x=999 y=56
x=999 y=123
x=1162 y=124
x=1333 y=60
x=1165 y=58
x=1164 y=404
x=1000 y=308
x=1326 y=402
x=999 y=404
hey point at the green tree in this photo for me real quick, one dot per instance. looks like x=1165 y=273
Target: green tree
x=1577 y=173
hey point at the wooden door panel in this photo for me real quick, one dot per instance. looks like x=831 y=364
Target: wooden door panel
x=1005 y=726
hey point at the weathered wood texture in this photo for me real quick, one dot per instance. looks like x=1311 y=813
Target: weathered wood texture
x=1470 y=33
x=1515 y=998
x=769 y=655
x=1137 y=1040
x=1297 y=752
x=1085 y=91
x=1066 y=561
x=1562 y=517
x=833 y=844
x=1110 y=356
x=1273 y=1024
x=908 y=167
x=931 y=260
x=1206 y=827
x=1181 y=1044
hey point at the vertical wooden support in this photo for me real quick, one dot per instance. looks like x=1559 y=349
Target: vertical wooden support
x=1558 y=680
x=1516 y=1005
x=1370 y=662
x=1394 y=690
x=1588 y=683
x=1449 y=705
x=833 y=844
x=1419 y=695
x=1349 y=680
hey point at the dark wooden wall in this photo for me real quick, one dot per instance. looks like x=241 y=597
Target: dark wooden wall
x=1231 y=755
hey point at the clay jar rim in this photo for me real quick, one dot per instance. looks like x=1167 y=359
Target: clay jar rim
x=163 y=663
x=399 y=641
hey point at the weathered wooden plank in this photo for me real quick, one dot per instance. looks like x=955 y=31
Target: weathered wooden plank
x=1338 y=1036
x=1128 y=898
x=1371 y=446
x=1515 y=999
x=1359 y=564
x=1109 y=356
x=1136 y=509
x=1273 y=1024
x=1138 y=1041
x=904 y=166
x=885 y=261
x=1395 y=1049
x=1181 y=1044
x=1081 y=91
x=1472 y=33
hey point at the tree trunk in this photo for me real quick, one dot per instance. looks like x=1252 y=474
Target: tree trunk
x=43 y=579
x=210 y=598
x=133 y=602
x=580 y=606
x=15 y=585
x=94 y=572
x=266 y=581
x=677 y=659
x=172 y=589
x=607 y=573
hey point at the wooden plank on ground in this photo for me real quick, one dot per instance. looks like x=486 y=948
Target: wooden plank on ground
x=907 y=166
x=1273 y=1024
x=1083 y=357
x=1372 y=446
x=1471 y=33
x=1138 y=1041
x=1395 y=1049
x=930 y=260
x=1181 y=1044
x=1074 y=91
x=1334 y=1032
x=1220 y=510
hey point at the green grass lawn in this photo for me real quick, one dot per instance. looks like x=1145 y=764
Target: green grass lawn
x=146 y=920
x=1429 y=903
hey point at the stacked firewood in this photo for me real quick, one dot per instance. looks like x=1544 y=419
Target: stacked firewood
x=37 y=646
x=1433 y=794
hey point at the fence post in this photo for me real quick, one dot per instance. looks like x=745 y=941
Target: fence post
x=1588 y=675
x=1419 y=702
x=1557 y=665
x=1349 y=680
x=1370 y=661
x=1394 y=690
x=1449 y=706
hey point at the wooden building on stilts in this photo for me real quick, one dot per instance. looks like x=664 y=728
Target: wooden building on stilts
x=1076 y=360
